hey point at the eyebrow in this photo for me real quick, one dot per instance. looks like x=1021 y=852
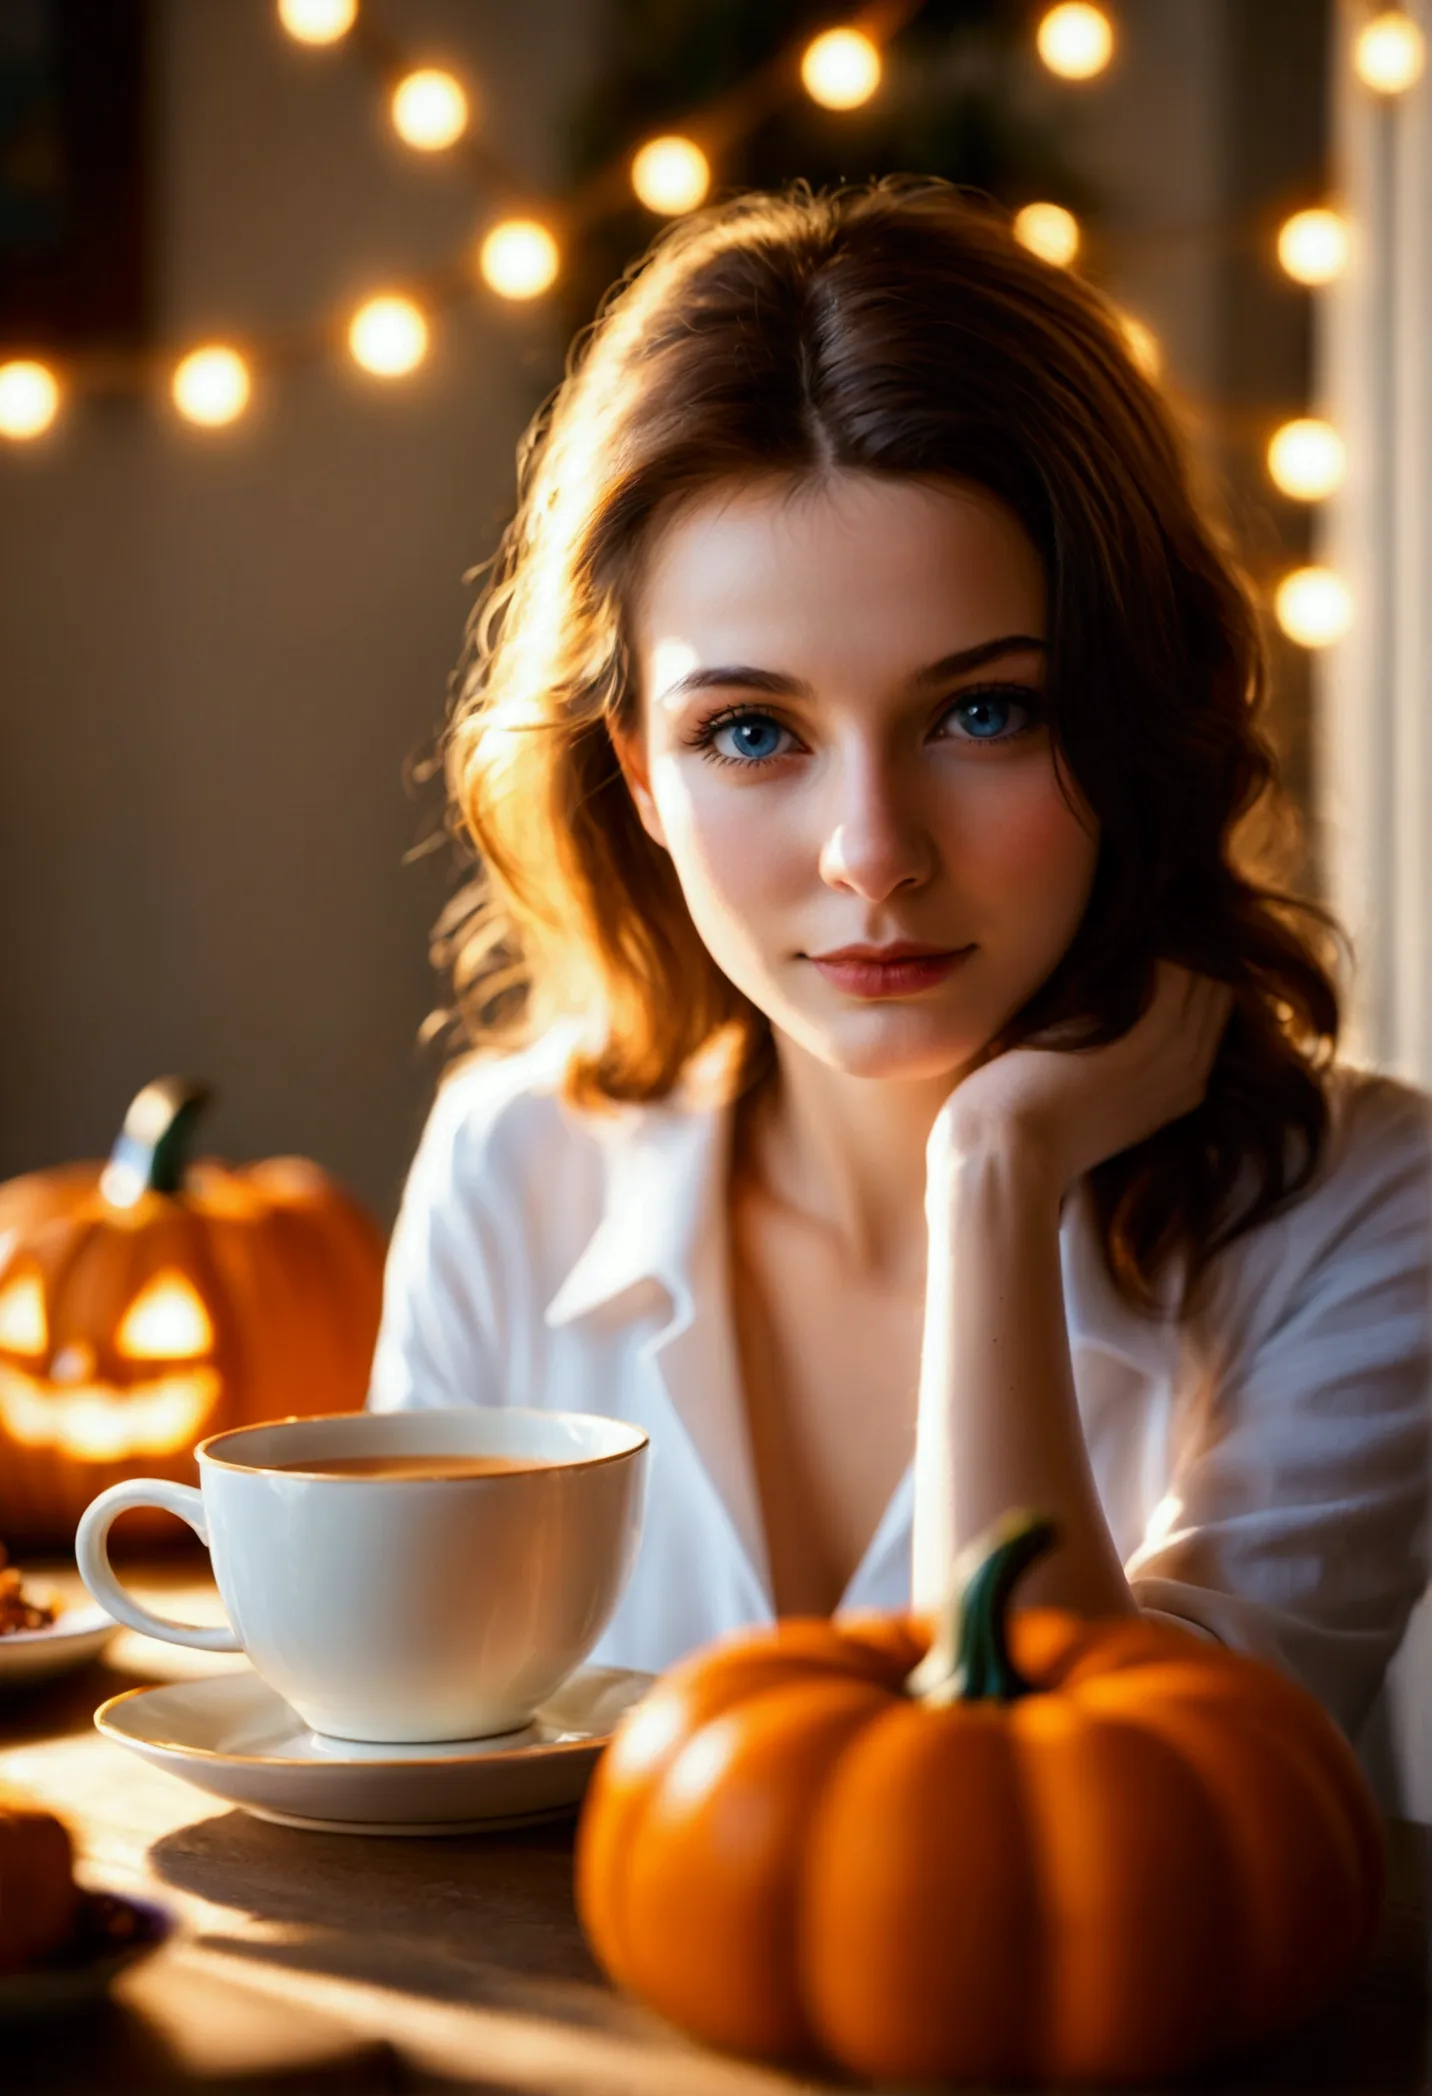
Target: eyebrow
x=776 y=681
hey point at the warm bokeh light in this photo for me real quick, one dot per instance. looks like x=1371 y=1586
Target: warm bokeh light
x=1075 y=41
x=388 y=336
x=1313 y=607
x=518 y=259
x=1143 y=345
x=1048 y=230
x=211 y=385
x=1389 y=53
x=1307 y=459
x=318 y=21
x=429 y=110
x=671 y=175
x=1312 y=246
x=29 y=398
x=840 y=69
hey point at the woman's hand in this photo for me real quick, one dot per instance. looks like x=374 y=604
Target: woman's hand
x=1073 y=1107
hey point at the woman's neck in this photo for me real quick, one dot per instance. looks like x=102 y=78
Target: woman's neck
x=856 y=1178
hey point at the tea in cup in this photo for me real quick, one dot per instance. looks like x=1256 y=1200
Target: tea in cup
x=402 y=1576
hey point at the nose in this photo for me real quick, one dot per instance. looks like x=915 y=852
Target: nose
x=879 y=836
x=73 y=1363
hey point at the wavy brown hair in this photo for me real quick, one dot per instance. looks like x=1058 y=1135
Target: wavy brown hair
x=892 y=327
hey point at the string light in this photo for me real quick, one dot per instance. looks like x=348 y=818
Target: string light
x=429 y=110
x=1143 y=345
x=1313 y=607
x=840 y=69
x=388 y=336
x=1307 y=459
x=1048 y=230
x=670 y=175
x=1389 y=54
x=1313 y=246
x=211 y=385
x=317 y=21
x=29 y=398
x=518 y=259
x=1075 y=41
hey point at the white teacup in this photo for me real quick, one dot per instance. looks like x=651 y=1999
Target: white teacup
x=399 y=1608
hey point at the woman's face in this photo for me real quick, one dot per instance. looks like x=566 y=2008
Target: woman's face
x=871 y=789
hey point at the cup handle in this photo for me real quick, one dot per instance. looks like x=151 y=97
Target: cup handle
x=92 y=1556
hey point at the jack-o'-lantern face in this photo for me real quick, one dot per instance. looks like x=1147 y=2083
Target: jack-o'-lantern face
x=151 y=1299
x=100 y=1391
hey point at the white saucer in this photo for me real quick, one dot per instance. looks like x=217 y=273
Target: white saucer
x=232 y=1735
x=78 y=1634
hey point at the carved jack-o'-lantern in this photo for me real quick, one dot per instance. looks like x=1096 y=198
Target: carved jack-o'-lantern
x=148 y=1301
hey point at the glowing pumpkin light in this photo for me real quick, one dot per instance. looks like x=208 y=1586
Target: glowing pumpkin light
x=147 y=1300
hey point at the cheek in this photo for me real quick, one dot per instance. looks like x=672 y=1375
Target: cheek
x=1027 y=844
x=723 y=841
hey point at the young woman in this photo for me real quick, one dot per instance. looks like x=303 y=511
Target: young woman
x=859 y=595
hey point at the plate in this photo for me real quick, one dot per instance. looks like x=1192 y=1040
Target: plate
x=113 y=1932
x=234 y=1736
x=79 y=1634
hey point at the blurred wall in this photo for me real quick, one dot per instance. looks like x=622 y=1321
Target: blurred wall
x=1213 y=129
x=217 y=649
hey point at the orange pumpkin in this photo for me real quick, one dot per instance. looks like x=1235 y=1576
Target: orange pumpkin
x=1044 y=1848
x=148 y=1301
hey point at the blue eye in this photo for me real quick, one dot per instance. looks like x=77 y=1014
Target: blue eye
x=745 y=725
x=986 y=699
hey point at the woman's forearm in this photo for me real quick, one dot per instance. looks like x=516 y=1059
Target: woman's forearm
x=998 y=1423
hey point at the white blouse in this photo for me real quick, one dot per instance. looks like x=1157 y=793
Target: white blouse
x=1263 y=1469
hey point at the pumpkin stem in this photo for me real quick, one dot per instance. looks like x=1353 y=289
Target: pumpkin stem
x=151 y=1151
x=969 y=1658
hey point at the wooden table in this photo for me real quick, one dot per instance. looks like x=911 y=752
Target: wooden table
x=334 y=1961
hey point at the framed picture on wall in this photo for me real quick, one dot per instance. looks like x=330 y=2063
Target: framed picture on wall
x=74 y=232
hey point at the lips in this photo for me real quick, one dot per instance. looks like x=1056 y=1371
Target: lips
x=892 y=978
x=882 y=956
